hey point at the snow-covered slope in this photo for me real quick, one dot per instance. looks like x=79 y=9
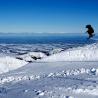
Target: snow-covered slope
x=86 y=53
x=8 y=63
x=51 y=80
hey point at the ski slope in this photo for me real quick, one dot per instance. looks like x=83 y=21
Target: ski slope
x=71 y=73
x=51 y=80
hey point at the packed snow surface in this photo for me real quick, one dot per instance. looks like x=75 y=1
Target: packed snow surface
x=51 y=80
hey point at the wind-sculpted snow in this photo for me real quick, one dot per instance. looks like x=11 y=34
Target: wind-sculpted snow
x=86 y=53
x=8 y=63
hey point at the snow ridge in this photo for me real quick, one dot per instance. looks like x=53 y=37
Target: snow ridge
x=86 y=53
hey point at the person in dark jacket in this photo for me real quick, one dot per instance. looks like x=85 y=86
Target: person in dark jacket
x=90 y=31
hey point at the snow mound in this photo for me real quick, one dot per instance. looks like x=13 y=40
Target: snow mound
x=31 y=56
x=8 y=63
x=55 y=51
x=86 y=53
x=3 y=68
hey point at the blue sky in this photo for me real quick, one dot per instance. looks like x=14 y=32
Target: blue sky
x=54 y=16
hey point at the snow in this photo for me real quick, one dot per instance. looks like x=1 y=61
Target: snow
x=8 y=63
x=71 y=73
x=86 y=53
x=56 y=50
x=51 y=80
x=3 y=68
x=31 y=56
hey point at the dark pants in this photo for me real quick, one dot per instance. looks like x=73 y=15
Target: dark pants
x=90 y=35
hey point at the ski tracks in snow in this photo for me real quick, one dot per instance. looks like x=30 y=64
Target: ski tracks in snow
x=55 y=85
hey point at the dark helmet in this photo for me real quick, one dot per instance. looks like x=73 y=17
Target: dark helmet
x=88 y=26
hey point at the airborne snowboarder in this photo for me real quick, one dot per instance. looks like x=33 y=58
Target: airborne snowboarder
x=90 y=31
